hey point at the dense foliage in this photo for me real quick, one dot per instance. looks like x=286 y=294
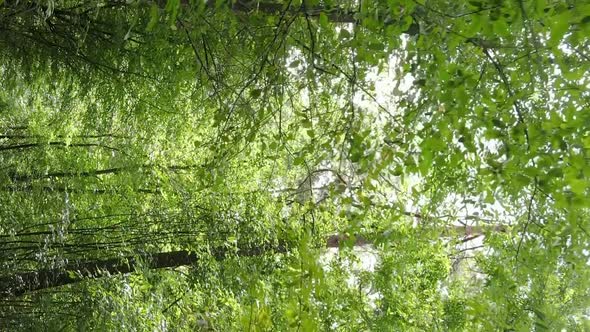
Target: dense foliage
x=183 y=165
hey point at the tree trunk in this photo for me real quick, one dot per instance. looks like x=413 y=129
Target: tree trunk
x=21 y=283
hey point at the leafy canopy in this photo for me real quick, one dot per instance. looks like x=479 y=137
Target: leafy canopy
x=181 y=164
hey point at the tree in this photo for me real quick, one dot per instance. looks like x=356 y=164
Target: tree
x=179 y=165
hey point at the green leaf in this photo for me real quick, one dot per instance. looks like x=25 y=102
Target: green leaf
x=344 y=33
x=560 y=24
x=498 y=123
x=255 y=93
x=323 y=20
x=172 y=8
x=578 y=186
x=154 y=17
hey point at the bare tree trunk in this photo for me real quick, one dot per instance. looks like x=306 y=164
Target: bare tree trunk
x=21 y=283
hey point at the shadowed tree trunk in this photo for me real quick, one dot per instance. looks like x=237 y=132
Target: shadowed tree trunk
x=22 y=283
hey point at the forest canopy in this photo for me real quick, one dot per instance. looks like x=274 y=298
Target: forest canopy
x=192 y=165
